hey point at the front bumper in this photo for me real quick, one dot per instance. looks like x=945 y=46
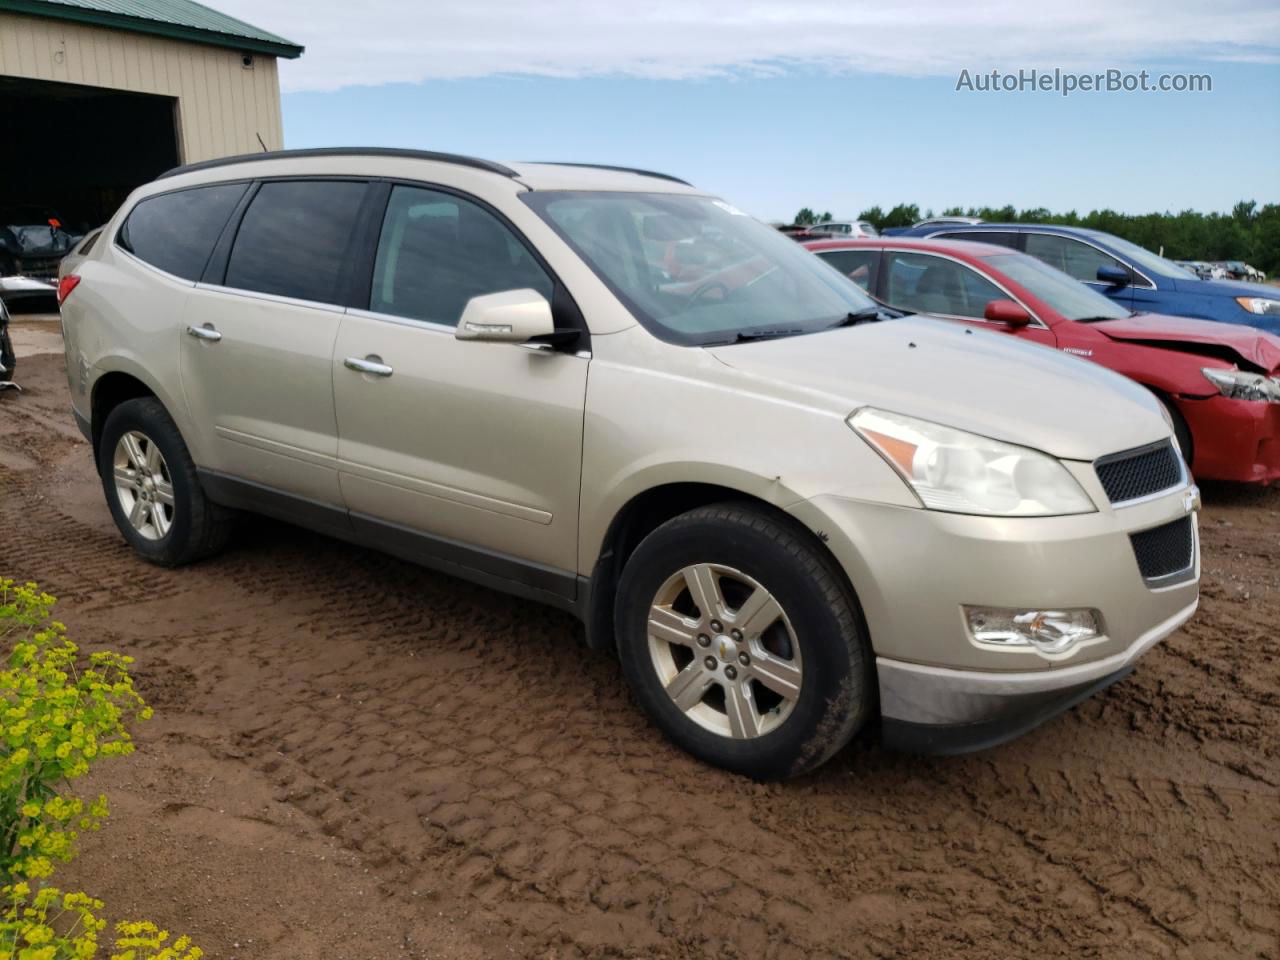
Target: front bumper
x=1235 y=440
x=915 y=570
x=936 y=710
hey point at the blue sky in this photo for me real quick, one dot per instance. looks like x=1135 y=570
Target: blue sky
x=843 y=143
x=834 y=104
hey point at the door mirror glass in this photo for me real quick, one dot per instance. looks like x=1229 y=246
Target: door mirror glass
x=1009 y=312
x=1115 y=276
x=512 y=316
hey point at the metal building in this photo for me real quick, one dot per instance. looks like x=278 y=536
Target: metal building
x=99 y=96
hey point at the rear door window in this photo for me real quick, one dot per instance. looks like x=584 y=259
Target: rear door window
x=858 y=265
x=926 y=284
x=1073 y=257
x=296 y=239
x=998 y=237
x=176 y=231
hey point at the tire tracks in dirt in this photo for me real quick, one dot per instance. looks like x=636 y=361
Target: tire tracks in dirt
x=506 y=798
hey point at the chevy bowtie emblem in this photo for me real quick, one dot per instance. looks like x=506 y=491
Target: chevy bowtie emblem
x=1191 y=500
x=724 y=649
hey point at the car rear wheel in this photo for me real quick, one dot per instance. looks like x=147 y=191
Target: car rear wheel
x=742 y=641
x=152 y=489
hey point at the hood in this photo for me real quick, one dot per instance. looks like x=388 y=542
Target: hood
x=1250 y=346
x=986 y=383
x=1227 y=288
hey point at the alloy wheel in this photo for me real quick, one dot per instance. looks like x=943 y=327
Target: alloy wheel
x=725 y=651
x=143 y=485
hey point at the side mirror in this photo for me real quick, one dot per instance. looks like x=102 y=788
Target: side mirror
x=1114 y=276
x=512 y=316
x=1009 y=312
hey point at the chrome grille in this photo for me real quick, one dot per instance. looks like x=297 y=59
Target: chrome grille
x=1133 y=474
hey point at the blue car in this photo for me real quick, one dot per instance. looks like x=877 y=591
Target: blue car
x=1125 y=272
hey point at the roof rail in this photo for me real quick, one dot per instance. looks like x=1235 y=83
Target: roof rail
x=606 y=166
x=462 y=161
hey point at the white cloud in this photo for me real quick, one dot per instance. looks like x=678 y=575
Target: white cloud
x=389 y=41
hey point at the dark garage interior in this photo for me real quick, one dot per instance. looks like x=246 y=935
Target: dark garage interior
x=74 y=152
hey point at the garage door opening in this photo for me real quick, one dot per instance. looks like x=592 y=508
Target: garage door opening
x=75 y=152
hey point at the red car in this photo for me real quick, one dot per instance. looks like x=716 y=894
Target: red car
x=1220 y=382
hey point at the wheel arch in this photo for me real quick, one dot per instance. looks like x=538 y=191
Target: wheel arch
x=648 y=510
x=1182 y=428
x=109 y=391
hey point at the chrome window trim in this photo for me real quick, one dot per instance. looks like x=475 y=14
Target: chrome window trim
x=1035 y=318
x=431 y=326
x=1062 y=236
x=271 y=297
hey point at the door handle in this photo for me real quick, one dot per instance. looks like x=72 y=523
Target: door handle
x=205 y=333
x=371 y=364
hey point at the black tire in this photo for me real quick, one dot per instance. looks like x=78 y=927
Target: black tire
x=837 y=691
x=199 y=528
x=8 y=359
x=1181 y=432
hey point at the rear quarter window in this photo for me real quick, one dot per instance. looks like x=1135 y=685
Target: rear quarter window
x=176 y=231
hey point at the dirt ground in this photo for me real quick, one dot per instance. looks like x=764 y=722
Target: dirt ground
x=356 y=758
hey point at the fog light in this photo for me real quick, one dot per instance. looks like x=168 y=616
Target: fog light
x=1049 y=631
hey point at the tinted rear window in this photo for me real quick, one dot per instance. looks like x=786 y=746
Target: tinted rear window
x=176 y=231
x=982 y=236
x=294 y=239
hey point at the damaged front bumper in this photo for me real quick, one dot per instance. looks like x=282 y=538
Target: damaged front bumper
x=1235 y=440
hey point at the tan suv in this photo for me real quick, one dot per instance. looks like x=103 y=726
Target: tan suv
x=608 y=391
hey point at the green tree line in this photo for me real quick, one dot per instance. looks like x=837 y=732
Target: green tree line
x=1249 y=232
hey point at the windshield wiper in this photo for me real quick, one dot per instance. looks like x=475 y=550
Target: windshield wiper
x=853 y=318
x=865 y=315
x=746 y=336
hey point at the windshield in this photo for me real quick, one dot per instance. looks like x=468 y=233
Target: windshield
x=1147 y=260
x=1062 y=292
x=696 y=270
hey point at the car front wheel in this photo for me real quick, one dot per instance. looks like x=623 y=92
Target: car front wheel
x=742 y=641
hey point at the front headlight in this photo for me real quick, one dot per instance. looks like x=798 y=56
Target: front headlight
x=1260 y=305
x=964 y=473
x=1242 y=385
